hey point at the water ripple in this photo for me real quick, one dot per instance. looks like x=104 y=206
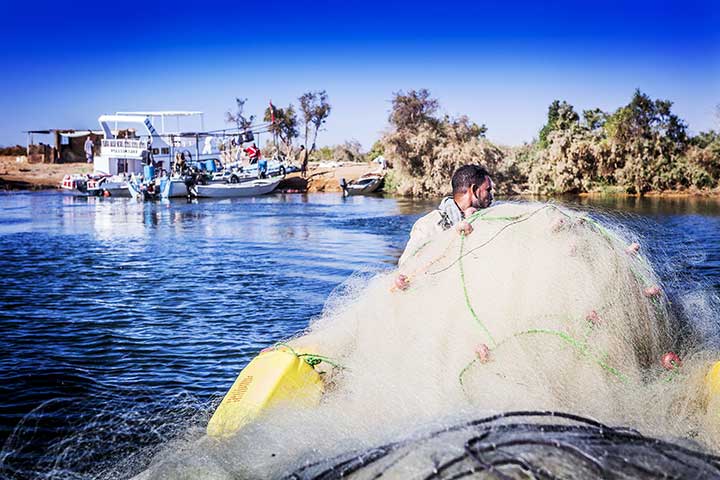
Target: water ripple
x=124 y=323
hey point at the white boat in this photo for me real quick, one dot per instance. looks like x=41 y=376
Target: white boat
x=368 y=183
x=140 y=191
x=130 y=141
x=108 y=186
x=174 y=187
x=232 y=190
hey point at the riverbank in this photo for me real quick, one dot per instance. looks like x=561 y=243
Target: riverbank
x=21 y=175
x=325 y=179
x=17 y=174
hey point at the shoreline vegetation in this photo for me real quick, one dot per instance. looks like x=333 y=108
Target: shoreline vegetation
x=640 y=149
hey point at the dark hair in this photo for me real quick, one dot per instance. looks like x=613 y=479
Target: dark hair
x=468 y=175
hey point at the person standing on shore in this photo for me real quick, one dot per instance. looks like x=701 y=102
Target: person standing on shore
x=472 y=190
x=89 y=146
x=303 y=159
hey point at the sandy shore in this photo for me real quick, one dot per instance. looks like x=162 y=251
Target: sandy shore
x=21 y=175
x=326 y=179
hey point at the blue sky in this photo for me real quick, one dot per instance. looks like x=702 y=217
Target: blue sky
x=501 y=63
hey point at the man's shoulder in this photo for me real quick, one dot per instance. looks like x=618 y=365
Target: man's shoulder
x=430 y=221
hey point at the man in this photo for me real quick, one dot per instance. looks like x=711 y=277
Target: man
x=472 y=189
x=302 y=158
x=89 y=145
x=262 y=167
x=253 y=153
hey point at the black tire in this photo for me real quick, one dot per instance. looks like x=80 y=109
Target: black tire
x=234 y=179
x=282 y=170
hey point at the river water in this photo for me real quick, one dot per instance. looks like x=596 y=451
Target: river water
x=123 y=324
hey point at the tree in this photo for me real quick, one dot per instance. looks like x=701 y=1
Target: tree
x=705 y=139
x=377 y=149
x=238 y=118
x=645 y=119
x=315 y=109
x=648 y=141
x=561 y=116
x=348 y=152
x=284 y=126
x=411 y=110
x=425 y=150
x=594 y=119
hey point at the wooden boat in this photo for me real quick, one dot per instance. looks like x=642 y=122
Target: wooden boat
x=232 y=190
x=368 y=183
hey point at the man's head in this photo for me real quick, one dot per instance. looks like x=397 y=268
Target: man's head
x=472 y=187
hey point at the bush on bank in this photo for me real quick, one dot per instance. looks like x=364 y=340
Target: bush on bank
x=640 y=147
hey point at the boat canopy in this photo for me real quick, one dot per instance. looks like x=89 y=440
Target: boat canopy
x=163 y=114
x=169 y=113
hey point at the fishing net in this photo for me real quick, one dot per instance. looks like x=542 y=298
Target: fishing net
x=538 y=308
x=522 y=444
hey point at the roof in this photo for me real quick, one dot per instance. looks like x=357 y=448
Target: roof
x=122 y=118
x=81 y=133
x=168 y=113
x=65 y=131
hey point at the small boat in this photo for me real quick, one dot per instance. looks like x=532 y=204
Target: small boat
x=95 y=185
x=232 y=190
x=108 y=186
x=75 y=184
x=175 y=186
x=140 y=190
x=368 y=183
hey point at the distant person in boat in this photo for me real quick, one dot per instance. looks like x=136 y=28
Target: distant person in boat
x=89 y=145
x=262 y=167
x=303 y=160
x=472 y=190
x=253 y=153
x=179 y=164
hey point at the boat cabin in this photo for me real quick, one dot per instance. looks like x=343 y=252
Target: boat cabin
x=131 y=141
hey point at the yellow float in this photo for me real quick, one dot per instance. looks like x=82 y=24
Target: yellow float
x=275 y=376
x=712 y=380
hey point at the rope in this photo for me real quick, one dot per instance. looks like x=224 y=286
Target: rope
x=311 y=359
x=467 y=296
x=493 y=237
x=580 y=347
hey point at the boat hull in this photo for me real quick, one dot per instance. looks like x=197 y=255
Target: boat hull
x=115 y=189
x=245 y=189
x=364 y=188
x=175 y=188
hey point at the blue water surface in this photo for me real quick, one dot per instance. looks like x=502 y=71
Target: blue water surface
x=122 y=323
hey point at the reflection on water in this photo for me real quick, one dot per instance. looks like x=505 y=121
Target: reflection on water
x=111 y=310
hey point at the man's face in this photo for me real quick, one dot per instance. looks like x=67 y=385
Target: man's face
x=483 y=194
